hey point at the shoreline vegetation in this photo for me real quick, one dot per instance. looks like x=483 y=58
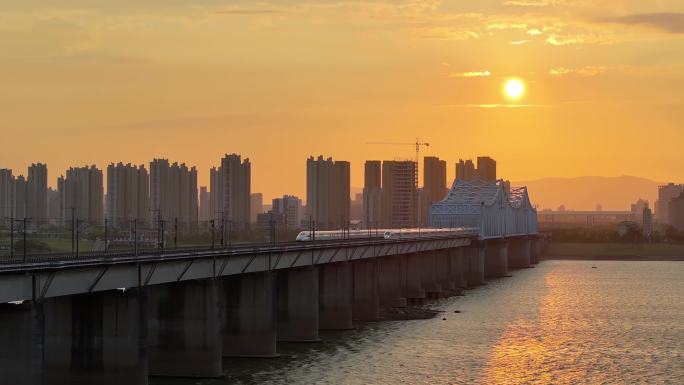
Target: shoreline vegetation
x=614 y=251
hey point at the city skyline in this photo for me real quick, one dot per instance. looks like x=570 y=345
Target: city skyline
x=130 y=83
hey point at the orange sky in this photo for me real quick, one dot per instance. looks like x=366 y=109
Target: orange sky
x=278 y=81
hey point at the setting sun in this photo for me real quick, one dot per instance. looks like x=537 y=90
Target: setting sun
x=514 y=88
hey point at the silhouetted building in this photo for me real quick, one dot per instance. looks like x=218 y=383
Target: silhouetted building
x=204 y=204
x=675 y=212
x=173 y=193
x=665 y=194
x=356 y=208
x=399 y=194
x=6 y=196
x=36 y=193
x=647 y=221
x=128 y=194
x=372 y=194
x=54 y=206
x=638 y=208
x=81 y=195
x=231 y=191
x=486 y=169
x=291 y=209
x=256 y=206
x=434 y=186
x=20 y=192
x=267 y=220
x=327 y=192
x=465 y=170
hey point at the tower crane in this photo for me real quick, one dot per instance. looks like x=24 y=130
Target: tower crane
x=418 y=145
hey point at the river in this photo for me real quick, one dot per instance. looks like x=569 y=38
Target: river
x=562 y=322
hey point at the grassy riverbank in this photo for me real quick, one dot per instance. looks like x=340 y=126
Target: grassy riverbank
x=617 y=251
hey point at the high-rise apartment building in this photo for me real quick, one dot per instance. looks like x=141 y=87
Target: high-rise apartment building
x=36 y=193
x=372 y=194
x=20 y=192
x=465 y=170
x=81 y=195
x=434 y=185
x=128 y=194
x=486 y=169
x=399 y=194
x=665 y=194
x=256 y=206
x=230 y=191
x=327 y=192
x=291 y=209
x=675 y=214
x=6 y=196
x=173 y=192
x=204 y=204
x=54 y=206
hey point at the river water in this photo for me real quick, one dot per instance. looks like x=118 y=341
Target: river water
x=562 y=322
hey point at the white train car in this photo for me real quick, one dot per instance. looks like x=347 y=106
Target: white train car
x=327 y=235
x=427 y=233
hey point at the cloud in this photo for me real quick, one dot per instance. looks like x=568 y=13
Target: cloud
x=584 y=71
x=518 y=42
x=667 y=21
x=470 y=74
x=530 y=3
x=247 y=11
x=497 y=106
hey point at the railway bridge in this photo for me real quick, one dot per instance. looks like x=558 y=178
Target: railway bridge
x=113 y=319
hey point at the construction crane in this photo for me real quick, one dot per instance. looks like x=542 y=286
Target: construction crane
x=418 y=145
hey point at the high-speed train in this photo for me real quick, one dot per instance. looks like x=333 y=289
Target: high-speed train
x=307 y=236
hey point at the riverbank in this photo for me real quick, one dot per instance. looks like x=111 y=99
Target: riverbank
x=615 y=251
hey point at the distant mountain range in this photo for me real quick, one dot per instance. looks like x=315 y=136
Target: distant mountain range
x=586 y=192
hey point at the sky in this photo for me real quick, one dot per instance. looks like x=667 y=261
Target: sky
x=85 y=82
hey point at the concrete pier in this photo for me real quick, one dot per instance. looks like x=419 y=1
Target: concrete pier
x=496 y=258
x=335 y=296
x=21 y=343
x=474 y=265
x=96 y=338
x=249 y=322
x=184 y=329
x=390 y=282
x=443 y=273
x=519 y=253
x=428 y=277
x=535 y=250
x=366 y=298
x=297 y=319
x=412 y=277
x=456 y=268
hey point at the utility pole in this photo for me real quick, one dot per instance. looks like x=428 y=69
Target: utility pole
x=25 y=219
x=12 y=238
x=213 y=225
x=77 y=238
x=105 y=235
x=175 y=233
x=135 y=236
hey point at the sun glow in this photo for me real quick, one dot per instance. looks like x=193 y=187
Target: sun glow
x=514 y=88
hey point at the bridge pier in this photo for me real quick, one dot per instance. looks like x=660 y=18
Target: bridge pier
x=297 y=292
x=496 y=258
x=519 y=253
x=21 y=343
x=390 y=282
x=411 y=269
x=443 y=276
x=184 y=329
x=456 y=271
x=366 y=299
x=428 y=268
x=95 y=338
x=474 y=265
x=535 y=250
x=335 y=296
x=249 y=327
